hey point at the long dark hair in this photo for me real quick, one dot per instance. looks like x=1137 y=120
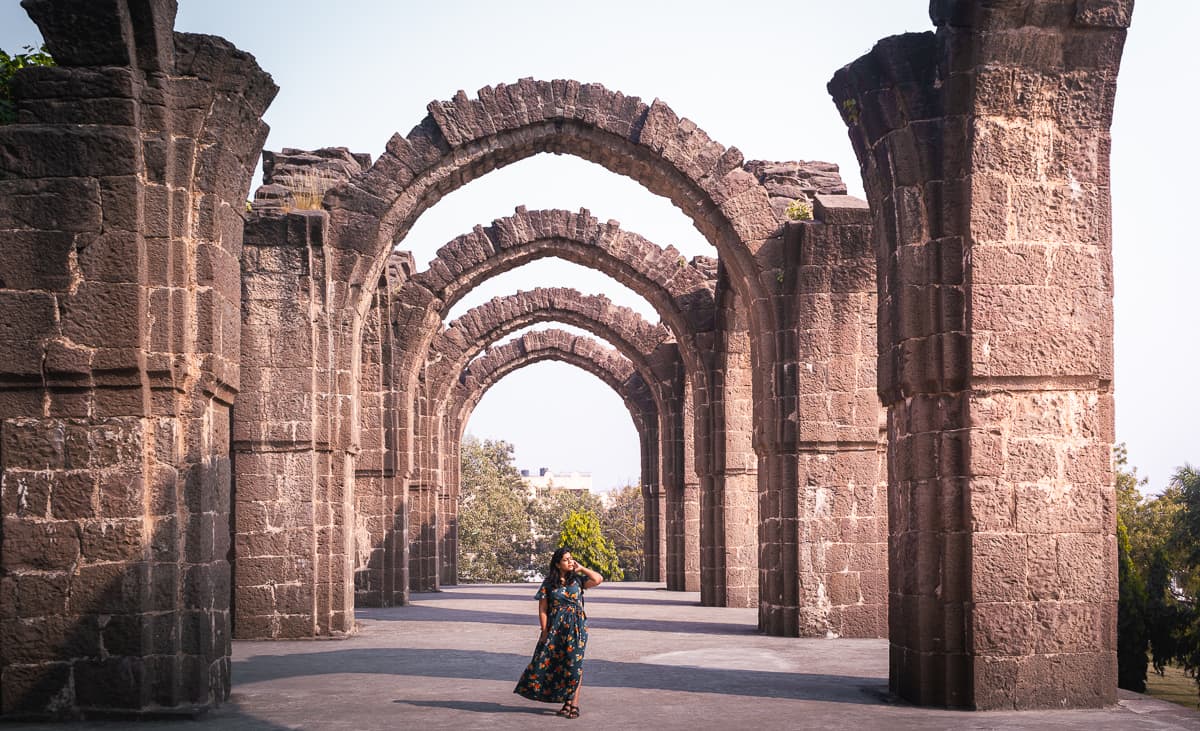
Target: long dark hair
x=554 y=577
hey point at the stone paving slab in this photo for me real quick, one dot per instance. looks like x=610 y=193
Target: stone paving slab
x=655 y=659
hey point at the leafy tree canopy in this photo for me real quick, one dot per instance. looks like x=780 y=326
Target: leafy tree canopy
x=550 y=511
x=10 y=64
x=1159 y=572
x=495 y=537
x=624 y=523
x=582 y=534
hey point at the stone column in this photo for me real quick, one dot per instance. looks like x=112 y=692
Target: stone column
x=672 y=479
x=121 y=188
x=424 y=489
x=651 y=491
x=985 y=155
x=373 y=464
x=691 y=498
x=451 y=476
x=707 y=423
x=290 y=573
x=842 y=510
x=735 y=498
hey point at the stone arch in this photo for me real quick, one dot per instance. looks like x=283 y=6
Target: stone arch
x=649 y=347
x=365 y=216
x=607 y=364
x=681 y=291
x=476 y=329
x=464 y=138
x=616 y=370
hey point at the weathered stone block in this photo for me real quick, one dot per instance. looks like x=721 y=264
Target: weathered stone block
x=47 y=546
x=34 y=689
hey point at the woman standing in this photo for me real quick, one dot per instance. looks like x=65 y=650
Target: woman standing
x=556 y=670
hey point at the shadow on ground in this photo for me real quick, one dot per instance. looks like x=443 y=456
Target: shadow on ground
x=479 y=665
x=525 y=592
x=480 y=707
x=444 y=614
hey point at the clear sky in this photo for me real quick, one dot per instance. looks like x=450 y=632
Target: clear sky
x=751 y=74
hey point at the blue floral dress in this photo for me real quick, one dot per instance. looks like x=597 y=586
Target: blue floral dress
x=554 y=673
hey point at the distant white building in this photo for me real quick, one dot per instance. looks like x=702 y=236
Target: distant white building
x=546 y=481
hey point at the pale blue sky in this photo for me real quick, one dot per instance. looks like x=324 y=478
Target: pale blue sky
x=751 y=74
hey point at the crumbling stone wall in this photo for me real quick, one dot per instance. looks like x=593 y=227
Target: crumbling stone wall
x=380 y=504
x=841 y=482
x=984 y=150
x=122 y=188
x=732 y=506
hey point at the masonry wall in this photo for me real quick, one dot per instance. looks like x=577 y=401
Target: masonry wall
x=378 y=519
x=841 y=465
x=121 y=193
x=984 y=150
x=292 y=574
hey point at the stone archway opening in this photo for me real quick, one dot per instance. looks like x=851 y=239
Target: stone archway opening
x=131 y=255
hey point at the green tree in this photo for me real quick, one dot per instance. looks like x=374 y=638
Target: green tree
x=1185 y=584
x=1163 y=547
x=624 y=523
x=10 y=64
x=1132 y=640
x=550 y=510
x=494 y=533
x=581 y=533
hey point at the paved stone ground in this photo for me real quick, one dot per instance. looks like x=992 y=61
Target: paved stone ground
x=655 y=659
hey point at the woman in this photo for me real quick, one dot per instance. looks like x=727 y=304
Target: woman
x=556 y=670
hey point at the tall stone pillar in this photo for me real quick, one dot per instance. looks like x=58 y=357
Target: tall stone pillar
x=734 y=507
x=672 y=488
x=375 y=479
x=691 y=497
x=423 y=493
x=452 y=477
x=653 y=537
x=842 y=510
x=984 y=150
x=121 y=191
x=289 y=485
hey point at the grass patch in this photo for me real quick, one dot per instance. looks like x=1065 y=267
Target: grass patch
x=308 y=189
x=1173 y=685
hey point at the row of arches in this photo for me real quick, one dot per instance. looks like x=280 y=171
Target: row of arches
x=222 y=420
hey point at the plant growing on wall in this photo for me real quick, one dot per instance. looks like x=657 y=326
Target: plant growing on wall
x=799 y=210
x=308 y=189
x=9 y=66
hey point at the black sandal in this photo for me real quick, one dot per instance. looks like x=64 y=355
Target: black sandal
x=565 y=710
x=573 y=712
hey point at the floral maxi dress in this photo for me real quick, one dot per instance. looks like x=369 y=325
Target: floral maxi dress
x=554 y=673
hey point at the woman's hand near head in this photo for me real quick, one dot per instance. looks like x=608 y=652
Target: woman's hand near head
x=593 y=577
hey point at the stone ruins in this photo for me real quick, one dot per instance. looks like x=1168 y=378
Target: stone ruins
x=221 y=421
